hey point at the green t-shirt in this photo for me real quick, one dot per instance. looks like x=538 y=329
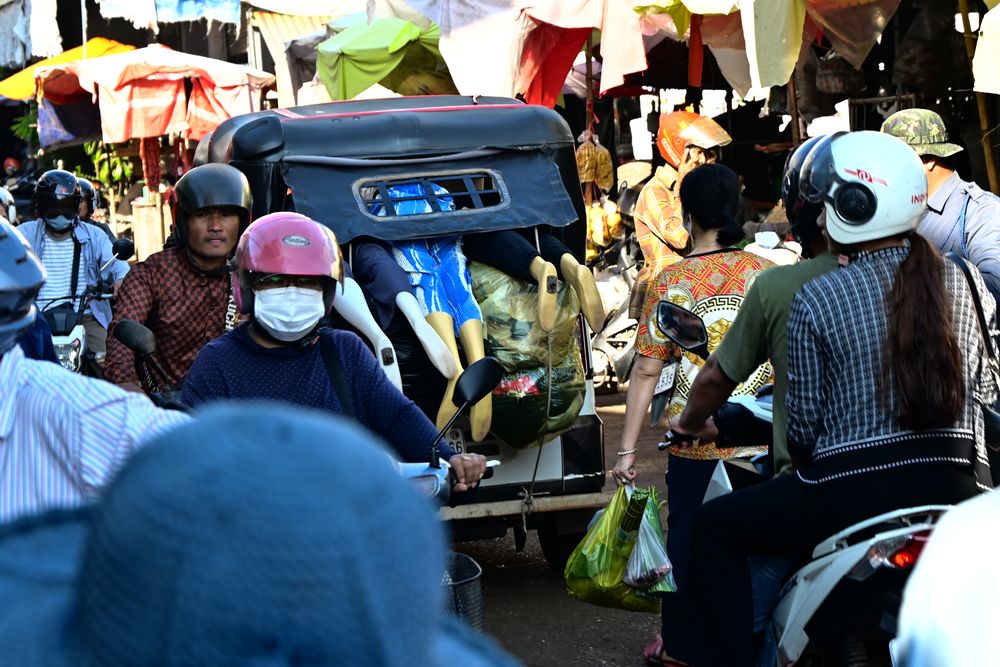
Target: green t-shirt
x=760 y=332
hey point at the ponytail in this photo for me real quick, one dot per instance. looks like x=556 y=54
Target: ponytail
x=730 y=233
x=923 y=357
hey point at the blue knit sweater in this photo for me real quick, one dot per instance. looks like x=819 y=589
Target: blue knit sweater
x=234 y=366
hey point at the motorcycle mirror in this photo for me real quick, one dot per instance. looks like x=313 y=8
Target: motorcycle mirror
x=123 y=249
x=135 y=337
x=683 y=327
x=477 y=381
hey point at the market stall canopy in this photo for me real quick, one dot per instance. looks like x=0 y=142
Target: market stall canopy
x=20 y=87
x=392 y=52
x=562 y=29
x=469 y=30
x=142 y=94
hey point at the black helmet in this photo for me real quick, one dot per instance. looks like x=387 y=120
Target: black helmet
x=90 y=196
x=211 y=186
x=201 y=152
x=57 y=193
x=801 y=214
x=9 y=211
x=21 y=276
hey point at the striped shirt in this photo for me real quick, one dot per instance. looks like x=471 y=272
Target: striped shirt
x=63 y=436
x=837 y=332
x=57 y=256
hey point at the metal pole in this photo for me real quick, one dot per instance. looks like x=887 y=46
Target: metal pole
x=83 y=23
x=984 y=124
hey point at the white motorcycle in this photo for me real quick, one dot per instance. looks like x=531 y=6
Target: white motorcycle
x=66 y=321
x=841 y=606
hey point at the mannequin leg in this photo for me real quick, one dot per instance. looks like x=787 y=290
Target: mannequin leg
x=436 y=348
x=471 y=335
x=444 y=326
x=582 y=280
x=544 y=274
x=352 y=307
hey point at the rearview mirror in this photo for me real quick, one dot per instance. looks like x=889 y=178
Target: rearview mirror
x=123 y=249
x=477 y=381
x=681 y=326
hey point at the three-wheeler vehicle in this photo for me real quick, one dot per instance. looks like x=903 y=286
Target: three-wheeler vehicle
x=507 y=166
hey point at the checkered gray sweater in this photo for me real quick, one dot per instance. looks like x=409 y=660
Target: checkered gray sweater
x=837 y=331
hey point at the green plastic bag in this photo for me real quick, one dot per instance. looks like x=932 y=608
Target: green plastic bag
x=595 y=569
x=520 y=417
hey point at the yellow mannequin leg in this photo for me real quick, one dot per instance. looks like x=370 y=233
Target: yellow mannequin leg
x=545 y=274
x=471 y=335
x=444 y=326
x=582 y=280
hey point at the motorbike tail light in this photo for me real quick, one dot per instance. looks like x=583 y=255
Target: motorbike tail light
x=898 y=553
x=906 y=556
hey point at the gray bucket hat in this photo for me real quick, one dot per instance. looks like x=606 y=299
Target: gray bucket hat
x=923 y=130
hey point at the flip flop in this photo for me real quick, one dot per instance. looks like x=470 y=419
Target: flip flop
x=653 y=655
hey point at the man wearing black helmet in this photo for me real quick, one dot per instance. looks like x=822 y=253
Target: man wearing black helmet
x=72 y=251
x=183 y=292
x=759 y=331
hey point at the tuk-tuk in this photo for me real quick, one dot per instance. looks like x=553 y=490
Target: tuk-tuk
x=508 y=166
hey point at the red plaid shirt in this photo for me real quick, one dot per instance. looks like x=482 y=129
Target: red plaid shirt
x=184 y=307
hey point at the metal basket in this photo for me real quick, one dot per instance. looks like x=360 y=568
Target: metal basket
x=463 y=593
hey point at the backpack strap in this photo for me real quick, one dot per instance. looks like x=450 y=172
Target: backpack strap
x=336 y=373
x=77 y=251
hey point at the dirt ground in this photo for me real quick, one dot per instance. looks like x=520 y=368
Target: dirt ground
x=527 y=607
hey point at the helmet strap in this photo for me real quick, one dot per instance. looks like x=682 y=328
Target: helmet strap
x=304 y=342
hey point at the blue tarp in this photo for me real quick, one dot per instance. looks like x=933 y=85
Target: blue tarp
x=171 y=11
x=73 y=123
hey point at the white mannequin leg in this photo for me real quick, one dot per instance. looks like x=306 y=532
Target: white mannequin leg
x=435 y=348
x=352 y=307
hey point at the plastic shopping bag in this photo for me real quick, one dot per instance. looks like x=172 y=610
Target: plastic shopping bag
x=649 y=568
x=595 y=569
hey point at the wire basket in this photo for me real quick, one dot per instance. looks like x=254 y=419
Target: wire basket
x=463 y=593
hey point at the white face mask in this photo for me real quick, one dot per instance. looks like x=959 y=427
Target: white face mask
x=288 y=313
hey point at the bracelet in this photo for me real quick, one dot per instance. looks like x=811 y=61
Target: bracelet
x=627 y=452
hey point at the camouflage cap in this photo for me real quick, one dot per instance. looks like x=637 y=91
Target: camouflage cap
x=922 y=129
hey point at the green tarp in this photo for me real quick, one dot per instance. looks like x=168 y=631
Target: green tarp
x=392 y=52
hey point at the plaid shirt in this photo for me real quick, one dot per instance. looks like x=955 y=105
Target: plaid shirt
x=659 y=225
x=837 y=332
x=184 y=307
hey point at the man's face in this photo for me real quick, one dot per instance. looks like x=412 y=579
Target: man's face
x=213 y=232
x=695 y=157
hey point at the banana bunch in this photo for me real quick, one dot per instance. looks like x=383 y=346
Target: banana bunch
x=604 y=225
x=593 y=162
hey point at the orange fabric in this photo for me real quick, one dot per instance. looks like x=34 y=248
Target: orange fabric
x=546 y=58
x=21 y=86
x=696 y=53
x=147 y=108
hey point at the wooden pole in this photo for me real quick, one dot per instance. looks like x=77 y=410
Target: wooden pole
x=984 y=123
x=793 y=111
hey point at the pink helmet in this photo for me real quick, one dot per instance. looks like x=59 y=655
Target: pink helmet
x=290 y=244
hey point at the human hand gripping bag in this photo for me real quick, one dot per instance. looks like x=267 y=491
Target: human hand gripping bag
x=595 y=569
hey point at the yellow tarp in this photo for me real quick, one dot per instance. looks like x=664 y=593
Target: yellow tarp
x=21 y=86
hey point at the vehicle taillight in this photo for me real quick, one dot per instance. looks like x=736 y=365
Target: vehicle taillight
x=906 y=556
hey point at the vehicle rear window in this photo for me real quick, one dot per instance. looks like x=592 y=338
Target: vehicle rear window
x=432 y=194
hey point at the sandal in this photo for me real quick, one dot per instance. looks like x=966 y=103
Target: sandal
x=653 y=655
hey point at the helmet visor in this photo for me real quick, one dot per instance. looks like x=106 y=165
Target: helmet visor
x=51 y=208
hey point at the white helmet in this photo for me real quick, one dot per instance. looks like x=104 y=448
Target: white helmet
x=873 y=185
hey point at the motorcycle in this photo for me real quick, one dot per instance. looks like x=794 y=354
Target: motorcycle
x=843 y=603
x=66 y=322
x=613 y=347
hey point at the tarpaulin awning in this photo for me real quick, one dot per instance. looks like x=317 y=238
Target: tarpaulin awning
x=278 y=30
x=392 y=52
x=21 y=86
x=141 y=93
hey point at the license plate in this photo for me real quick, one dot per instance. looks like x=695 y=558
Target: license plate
x=666 y=380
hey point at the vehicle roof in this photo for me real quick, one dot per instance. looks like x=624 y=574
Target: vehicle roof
x=389 y=127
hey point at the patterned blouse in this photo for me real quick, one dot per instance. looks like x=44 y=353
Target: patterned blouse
x=711 y=285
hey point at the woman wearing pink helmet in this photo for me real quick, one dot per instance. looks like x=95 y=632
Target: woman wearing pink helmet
x=288 y=271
